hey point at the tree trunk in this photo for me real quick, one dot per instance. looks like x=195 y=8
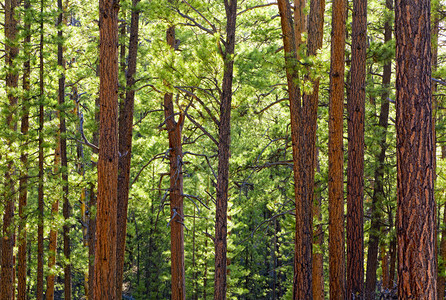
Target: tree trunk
x=23 y=184
x=91 y=217
x=441 y=278
x=52 y=247
x=416 y=226
x=176 y=189
x=125 y=146
x=40 y=194
x=8 y=238
x=384 y=267
x=336 y=155
x=309 y=127
x=302 y=141
x=61 y=147
x=318 y=257
x=224 y=143
x=378 y=188
x=393 y=255
x=106 y=226
x=355 y=169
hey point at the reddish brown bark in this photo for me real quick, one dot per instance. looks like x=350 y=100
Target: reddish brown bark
x=309 y=126
x=385 y=267
x=224 y=142
x=176 y=189
x=125 y=146
x=355 y=168
x=416 y=225
x=106 y=219
x=336 y=155
x=8 y=237
x=301 y=137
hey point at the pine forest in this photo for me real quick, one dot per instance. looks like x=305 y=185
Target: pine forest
x=226 y=149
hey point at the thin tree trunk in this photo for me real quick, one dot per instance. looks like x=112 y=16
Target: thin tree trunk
x=91 y=217
x=106 y=226
x=52 y=247
x=309 y=127
x=23 y=184
x=393 y=255
x=57 y=158
x=441 y=278
x=176 y=189
x=40 y=200
x=8 y=238
x=416 y=225
x=224 y=142
x=318 y=239
x=125 y=146
x=378 y=188
x=385 y=267
x=336 y=155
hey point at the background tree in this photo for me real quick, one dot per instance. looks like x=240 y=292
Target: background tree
x=8 y=234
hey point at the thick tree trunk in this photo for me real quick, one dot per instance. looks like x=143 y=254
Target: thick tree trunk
x=176 y=189
x=355 y=169
x=106 y=226
x=416 y=225
x=378 y=188
x=224 y=143
x=23 y=184
x=336 y=155
x=125 y=146
x=8 y=238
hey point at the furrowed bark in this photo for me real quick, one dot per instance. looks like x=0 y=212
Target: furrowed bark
x=176 y=189
x=355 y=168
x=125 y=146
x=106 y=226
x=336 y=155
x=416 y=219
x=224 y=142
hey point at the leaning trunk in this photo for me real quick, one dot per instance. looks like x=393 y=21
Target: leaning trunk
x=125 y=147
